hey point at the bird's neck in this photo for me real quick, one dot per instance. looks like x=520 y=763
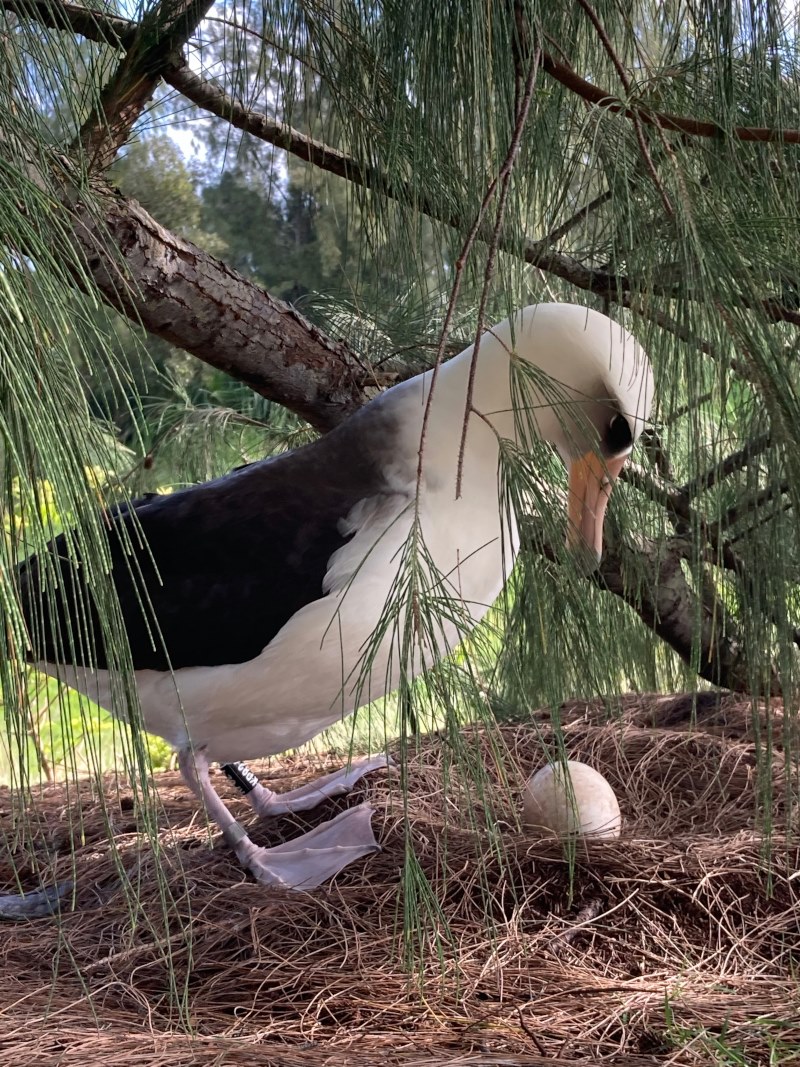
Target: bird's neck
x=492 y=401
x=490 y=418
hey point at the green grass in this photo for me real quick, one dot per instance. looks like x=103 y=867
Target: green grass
x=722 y=1047
x=66 y=737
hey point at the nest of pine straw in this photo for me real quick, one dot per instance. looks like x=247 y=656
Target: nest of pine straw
x=677 y=943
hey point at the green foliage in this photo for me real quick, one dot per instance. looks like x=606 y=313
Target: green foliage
x=155 y=171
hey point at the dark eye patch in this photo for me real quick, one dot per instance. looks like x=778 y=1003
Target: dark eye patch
x=618 y=435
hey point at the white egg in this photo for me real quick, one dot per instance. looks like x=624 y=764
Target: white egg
x=585 y=805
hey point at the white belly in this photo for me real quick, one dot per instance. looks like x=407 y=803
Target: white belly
x=313 y=672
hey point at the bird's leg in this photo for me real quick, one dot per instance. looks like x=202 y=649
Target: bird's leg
x=304 y=863
x=308 y=796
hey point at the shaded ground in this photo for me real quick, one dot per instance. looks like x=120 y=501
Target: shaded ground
x=680 y=943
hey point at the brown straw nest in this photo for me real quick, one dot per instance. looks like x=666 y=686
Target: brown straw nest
x=678 y=943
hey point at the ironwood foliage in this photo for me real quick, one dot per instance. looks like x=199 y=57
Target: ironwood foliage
x=368 y=169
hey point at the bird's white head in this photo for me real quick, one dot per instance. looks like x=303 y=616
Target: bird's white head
x=589 y=390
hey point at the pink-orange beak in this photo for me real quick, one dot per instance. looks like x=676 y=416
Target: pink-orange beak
x=591 y=480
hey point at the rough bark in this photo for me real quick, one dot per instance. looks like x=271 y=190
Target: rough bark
x=179 y=292
x=186 y=296
x=161 y=34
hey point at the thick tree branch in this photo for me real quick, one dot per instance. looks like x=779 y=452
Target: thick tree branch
x=186 y=296
x=183 y=294
x=93 y=25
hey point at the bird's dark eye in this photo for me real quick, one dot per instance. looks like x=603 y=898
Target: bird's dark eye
x=618 y=435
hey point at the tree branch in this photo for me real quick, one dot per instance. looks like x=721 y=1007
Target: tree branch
x=676 y=123
x=648 y=576
x=605 y=40
x=179 y=292
x=683 y=333
x=161 y=34
x=93 y=25
x=684 y=409
x=678 y=507
x=753 y=504
x=726 y=467
x=655 y=450
x=212 y=98
x=574 y=220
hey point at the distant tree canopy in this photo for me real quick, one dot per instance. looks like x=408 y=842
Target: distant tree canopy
x=364 y=188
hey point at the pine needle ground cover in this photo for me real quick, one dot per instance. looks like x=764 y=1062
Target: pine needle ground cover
x=679 y=943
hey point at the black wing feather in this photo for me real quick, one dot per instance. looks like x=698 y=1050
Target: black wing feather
x=226 y=563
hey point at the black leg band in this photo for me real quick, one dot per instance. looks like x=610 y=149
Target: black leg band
x=241 y=776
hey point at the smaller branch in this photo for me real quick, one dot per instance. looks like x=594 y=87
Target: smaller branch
x=677 y=123
x=726 y=467
x=755 y=503
x=648 y=576
x=679 y=507
x=774 y=309
x=724 y=552
x=212 y=98
x=685 y=409
x=588 y=913
x=527 y=1030
x=656 y=451
x=683 y=333
x=635 y=118
x=504 y=178
x=762 y=520
x=161 y=33
x=574 y=220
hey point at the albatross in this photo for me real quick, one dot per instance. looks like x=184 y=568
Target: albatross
x=254 y=604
